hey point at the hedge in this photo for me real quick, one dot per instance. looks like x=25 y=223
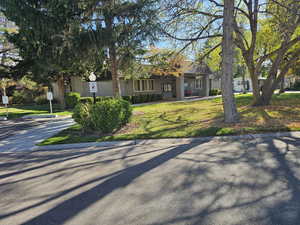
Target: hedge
x=132 y=99
x=214 y=92
x=143 y=98
x=105 y=116
x=72 y=99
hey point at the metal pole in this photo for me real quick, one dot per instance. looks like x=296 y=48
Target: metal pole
x=50 y=106
x=6 y=111
x=94 y=96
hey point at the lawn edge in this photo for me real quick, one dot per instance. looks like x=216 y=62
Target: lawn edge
x=165 y=141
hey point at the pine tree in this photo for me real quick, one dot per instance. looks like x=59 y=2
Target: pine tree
x=61 y=38
x=123 y=28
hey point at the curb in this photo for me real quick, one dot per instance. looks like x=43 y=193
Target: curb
x=85 y=145
x=39 y=116
x=167 y=141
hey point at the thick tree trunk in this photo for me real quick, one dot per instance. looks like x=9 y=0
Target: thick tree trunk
x=114 y=71
x=266 y=93
x=272 y=81
x=282 y=88
x=229 y=105
x=61 y=91
x=256 y=88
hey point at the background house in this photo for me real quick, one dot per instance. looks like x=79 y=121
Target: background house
x=238 y=86
x=197 y=80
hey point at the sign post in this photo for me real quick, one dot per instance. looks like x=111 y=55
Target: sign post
x=5 y=102
x=50 y=98
x=93 y=89
x=93 y=85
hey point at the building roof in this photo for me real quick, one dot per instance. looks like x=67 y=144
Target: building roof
x=197 y=68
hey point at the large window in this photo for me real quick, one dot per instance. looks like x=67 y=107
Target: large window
x=167 y=87
x=144 y=85
x=198 y=83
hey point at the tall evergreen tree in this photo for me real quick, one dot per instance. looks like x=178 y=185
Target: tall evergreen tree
x=44 y=37
x=123 y=28
x=61 y=38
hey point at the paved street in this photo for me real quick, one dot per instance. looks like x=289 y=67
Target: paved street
x=253 y=182
x=23 y=135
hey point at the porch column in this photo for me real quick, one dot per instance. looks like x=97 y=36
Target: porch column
x=206 y=85
x=180 y=87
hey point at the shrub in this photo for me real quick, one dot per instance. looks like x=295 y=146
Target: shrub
x=91 y=99
x=136 y=99
x=18 y=97
x=159 y=97
x=132 y=99
x=104 y=116
x=41 y=100
x=102 y=98
x=22 y=97
x=109 y=115
x=214 y=92
x=82 y=115
x=296 y=86
x=126 y=111
x=127 y=98
x=72 y=99
x=86 y=100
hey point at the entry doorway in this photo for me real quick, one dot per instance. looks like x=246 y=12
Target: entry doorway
x=167 y=90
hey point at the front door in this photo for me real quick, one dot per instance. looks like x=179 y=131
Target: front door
x=167 y=90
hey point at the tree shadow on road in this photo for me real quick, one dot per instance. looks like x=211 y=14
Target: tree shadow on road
x=256 y=177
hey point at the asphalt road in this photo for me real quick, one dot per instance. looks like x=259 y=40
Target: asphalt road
x=215 y=183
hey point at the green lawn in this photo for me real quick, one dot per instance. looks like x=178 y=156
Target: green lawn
x=22 y=110
x=199 y=118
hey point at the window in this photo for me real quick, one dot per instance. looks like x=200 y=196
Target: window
x=198 y=83
x=167 y=87
x=144 y=85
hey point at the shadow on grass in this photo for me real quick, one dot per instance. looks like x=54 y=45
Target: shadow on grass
x=167 y=124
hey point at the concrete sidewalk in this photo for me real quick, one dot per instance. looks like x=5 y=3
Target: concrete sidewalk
x=27 y=138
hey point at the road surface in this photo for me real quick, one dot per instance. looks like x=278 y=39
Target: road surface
x=253 y=182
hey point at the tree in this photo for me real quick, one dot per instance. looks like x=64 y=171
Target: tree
x=123 y=28
x=8 y=53
x=229 y=106
x=77 y=36
x=4 y=84
x=158 y=61
x=42 y=38
x=276 y=47
x=193 y=21
x=271 y=40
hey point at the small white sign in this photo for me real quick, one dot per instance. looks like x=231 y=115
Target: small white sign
x=5 y=100
x=50 y=96
x=93 y=87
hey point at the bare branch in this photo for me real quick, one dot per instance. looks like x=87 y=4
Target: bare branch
x=210 y=51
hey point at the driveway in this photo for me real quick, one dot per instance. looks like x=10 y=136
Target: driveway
x=23 y=135
x=252 y=181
